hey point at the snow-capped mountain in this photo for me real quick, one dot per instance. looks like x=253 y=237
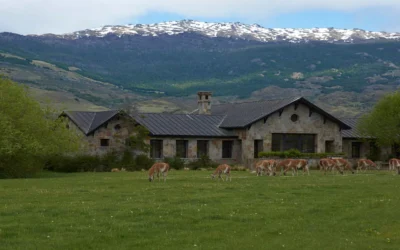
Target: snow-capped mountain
x=237 y=31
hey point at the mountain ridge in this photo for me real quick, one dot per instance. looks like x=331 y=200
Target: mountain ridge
x=235 y=30
x=346 y=77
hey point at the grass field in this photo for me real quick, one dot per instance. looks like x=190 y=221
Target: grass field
x=190 y=211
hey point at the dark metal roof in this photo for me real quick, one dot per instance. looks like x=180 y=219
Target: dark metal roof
x=90 y=121
x=224 y=118
x=239 y=115
x=183 y=125
x=352 y=133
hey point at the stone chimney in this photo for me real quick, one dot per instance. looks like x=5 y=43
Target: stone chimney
x=204 y=102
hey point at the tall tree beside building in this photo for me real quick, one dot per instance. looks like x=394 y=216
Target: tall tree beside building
x=383 y=122
x=28 y=133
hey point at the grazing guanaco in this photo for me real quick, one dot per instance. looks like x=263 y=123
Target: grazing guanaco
x=222 y=169
x=267 y=166
x=327 y=164
x=159 y=168
x=394 y=164
x=294 y=165
x=117 y=170
x=343 y=164
x=363 y=164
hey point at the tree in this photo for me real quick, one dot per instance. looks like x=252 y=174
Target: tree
x=139 y=135
x=137 y=140
x=383 y=122
x=29 y=133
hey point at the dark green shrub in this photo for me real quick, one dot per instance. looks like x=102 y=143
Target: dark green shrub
x=14 y=167
x=271 y=154
x=374 y=155
x=109 y=161
x=143 y=162
x=175 y=162
x=87 y=163
x=70 y=164
x=61 y=163
x=128 y=161
x=292 y=153
x=203 y=162
x=297 y=154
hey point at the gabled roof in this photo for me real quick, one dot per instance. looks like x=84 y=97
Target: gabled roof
x=240 y=115
x=352 y=133
x=183 y=125
x=224 y=118
x=90 y=121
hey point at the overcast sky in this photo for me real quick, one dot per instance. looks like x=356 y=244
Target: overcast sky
x=61 y=16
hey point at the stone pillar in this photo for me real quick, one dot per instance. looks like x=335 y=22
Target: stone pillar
x=169 y=148
x=215 y=150
x=192 y=149
x=267 y=144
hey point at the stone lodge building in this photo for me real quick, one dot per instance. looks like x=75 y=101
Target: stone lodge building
x=104 y=131
x=229 y=133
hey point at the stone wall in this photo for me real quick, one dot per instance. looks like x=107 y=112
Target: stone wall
x=117 y=130
x=385 y=152
x=325 y=130
x=214 y=148
x=347 y=148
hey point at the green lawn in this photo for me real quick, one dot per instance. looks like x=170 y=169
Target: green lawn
x=190 y=211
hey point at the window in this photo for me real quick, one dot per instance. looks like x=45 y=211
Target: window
x=106 y=125
x=202 y=148
x=117 y=127
x=294 y=118
x=258 y=147
x=156 y=149
x=329 y=147
x=67 y=126
x=355 y=149
x=182 y=148
x=104 y=142
x=227 y=149
x=303 y=142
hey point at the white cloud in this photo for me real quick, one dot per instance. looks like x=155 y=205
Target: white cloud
x=59 y=16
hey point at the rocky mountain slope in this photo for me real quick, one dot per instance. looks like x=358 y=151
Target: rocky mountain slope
x=235 y=30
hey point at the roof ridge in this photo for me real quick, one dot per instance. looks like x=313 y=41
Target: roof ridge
x=176 y=114
x=261 y=100
x=91 y=123
x=103 y=111
x=91 y=128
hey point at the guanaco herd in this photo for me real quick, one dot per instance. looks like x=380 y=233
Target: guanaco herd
x=271 y=167
x=326 y=164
